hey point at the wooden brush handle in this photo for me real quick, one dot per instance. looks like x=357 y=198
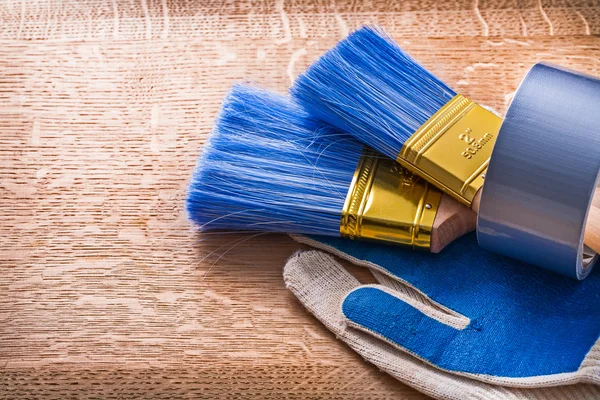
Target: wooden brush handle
x=454 y=220
x=592 y=227
x=451 y=222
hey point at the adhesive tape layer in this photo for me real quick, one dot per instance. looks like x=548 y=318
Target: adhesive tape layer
x=543 y=172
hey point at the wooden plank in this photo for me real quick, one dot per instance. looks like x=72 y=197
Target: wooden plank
x=105 y=288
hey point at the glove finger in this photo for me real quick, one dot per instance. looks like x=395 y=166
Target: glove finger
x=421 y=302
x=320 y=283
x=423 y=332
x=322 y=243
x=406 y=291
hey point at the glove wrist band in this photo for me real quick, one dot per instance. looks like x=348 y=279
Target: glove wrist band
x=543 y=173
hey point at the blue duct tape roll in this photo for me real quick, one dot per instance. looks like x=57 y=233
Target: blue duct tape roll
x=543 y=172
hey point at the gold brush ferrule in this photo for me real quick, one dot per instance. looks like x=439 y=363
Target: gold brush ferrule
x=453 y=148
x=388 y=203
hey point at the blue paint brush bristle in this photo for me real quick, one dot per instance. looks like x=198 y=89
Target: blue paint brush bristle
x=270 y=166
x=369 y=87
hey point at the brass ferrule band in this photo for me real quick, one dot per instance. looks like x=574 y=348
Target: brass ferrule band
x=453 y=148
x=387 y=203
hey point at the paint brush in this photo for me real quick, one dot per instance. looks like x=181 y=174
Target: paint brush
x=370 y=88
x=270 y=166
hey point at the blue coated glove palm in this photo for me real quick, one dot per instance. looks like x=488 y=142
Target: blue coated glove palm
x=521 y=326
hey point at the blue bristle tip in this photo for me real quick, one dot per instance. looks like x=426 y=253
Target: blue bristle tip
x=269 y=166
x=371 y=88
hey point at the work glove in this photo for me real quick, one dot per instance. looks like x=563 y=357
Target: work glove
x=464 y=323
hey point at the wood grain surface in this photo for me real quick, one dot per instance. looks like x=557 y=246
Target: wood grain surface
x=106 y=291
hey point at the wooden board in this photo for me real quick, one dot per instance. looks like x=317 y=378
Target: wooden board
x=105 y=289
